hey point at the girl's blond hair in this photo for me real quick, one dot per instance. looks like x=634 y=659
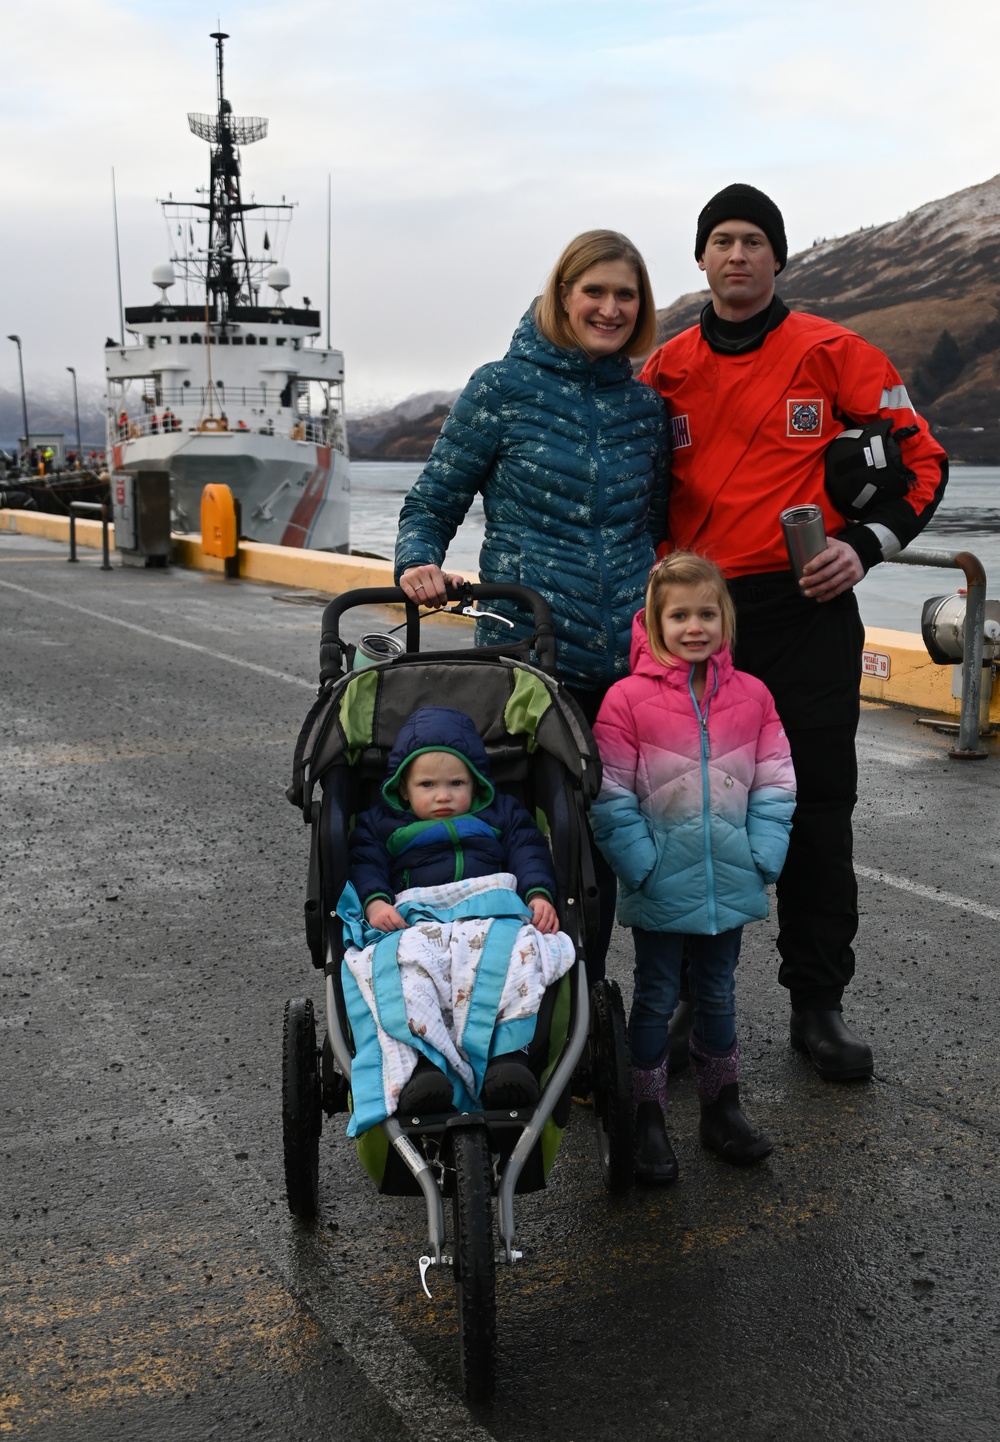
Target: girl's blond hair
x=684 y=568
x=594 y=247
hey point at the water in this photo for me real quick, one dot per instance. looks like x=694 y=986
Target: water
x=891 y=596
x=377 y=492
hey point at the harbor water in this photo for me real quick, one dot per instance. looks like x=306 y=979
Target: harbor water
x=890 y=596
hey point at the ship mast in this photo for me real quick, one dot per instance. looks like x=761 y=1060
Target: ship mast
x=228 y=262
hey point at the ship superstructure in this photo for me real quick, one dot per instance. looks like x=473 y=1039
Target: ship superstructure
x=228 y=384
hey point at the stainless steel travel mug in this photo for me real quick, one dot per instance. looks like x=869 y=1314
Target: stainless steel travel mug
x=805 y=535
x=375 y=647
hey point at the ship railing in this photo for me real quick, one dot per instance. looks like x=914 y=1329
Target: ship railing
x=315 y=431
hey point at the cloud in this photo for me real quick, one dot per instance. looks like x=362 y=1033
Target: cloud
x=467 y=140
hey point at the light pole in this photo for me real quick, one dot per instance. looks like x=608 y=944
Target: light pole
x=76 y=412
x=24 y=404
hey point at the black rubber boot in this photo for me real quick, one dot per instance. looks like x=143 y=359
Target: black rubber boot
x=655 y=1162
x=837 y=1053
x=726 y=1130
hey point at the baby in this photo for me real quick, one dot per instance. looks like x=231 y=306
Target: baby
x=440 y=820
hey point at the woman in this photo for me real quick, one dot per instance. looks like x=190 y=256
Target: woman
x=571 y=455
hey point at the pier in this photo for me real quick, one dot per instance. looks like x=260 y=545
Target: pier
x=154 y=1284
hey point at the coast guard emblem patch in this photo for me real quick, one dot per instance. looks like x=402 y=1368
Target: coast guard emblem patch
x=680 y=432
x=805 y=417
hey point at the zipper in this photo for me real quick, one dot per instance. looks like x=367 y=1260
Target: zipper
x=706 y=751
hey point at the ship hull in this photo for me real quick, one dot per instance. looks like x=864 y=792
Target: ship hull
x=291 y=493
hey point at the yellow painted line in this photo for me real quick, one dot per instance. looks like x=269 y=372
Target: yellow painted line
x=99 y=1326
x=324 y=571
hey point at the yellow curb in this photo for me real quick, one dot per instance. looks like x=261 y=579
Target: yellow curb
x=323 y=571
x=913 y=678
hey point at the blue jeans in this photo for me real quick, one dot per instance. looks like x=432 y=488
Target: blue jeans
x=712 y=979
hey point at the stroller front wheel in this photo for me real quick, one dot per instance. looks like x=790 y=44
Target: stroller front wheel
x=475 y=1263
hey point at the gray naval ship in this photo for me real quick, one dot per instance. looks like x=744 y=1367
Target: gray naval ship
x=228 y=385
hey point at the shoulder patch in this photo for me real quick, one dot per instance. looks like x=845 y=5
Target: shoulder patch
x=680 y=432
x=805 y=417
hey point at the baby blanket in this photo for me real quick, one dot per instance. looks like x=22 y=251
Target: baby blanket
x=461 y=984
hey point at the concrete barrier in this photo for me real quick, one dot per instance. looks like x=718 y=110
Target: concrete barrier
x=898 y=668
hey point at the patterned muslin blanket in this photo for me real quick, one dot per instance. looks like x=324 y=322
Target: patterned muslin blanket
x=461 y=984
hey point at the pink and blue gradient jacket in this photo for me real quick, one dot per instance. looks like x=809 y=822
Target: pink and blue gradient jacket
x=696 y=805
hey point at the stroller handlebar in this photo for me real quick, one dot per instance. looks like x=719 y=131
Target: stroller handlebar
x=333 y=651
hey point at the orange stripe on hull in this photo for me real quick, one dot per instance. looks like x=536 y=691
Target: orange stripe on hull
x=302 y=519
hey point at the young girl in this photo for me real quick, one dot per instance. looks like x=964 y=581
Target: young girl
x=694 y=816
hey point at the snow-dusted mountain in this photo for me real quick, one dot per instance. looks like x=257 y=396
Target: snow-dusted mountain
x=926 y=289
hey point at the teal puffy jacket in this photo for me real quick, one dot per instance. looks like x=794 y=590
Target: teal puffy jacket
x=572 y=459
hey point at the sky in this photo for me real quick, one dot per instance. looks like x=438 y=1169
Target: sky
x=466 y=142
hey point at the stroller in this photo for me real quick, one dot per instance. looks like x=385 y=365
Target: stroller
x=541 y=751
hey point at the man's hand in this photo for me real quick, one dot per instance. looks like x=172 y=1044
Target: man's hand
x=426 y=584
x=832 y=572
x=545 y=918
x=384 y=916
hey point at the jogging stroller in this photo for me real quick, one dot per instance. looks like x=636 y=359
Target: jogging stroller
x=541 y=751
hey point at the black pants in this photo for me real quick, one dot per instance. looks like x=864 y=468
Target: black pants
x=808 y=654
x=589 y=703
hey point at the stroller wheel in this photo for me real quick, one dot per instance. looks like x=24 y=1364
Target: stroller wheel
x=475 y=1264
x=301 y=1114
x=613 y=1114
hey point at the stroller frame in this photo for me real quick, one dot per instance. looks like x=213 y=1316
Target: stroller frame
x=456 y=1141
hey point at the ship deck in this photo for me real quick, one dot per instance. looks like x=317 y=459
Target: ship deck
x=154 y=1284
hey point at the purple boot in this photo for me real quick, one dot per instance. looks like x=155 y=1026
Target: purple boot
x=655 y=1162
x=725 y=1128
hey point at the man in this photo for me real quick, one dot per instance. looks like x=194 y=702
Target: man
x=756 y=394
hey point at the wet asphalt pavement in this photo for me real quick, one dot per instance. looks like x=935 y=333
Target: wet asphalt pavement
x=153 y=1284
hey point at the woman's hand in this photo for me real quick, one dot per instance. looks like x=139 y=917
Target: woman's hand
x=426 y=584
x=384 y=916
x=545 y=918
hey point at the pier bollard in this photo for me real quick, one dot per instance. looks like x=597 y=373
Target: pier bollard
x=220 y=527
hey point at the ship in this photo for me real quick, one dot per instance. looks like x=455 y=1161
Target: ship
x=225 y=383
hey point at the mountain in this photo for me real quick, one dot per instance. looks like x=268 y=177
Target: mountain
x=49 y=409
x=405 y=432
x=924 y=289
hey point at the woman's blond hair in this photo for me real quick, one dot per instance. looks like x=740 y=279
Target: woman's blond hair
x=684 y=568
x=594 y=247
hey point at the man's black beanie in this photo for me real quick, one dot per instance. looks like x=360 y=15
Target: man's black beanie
x=743 y=202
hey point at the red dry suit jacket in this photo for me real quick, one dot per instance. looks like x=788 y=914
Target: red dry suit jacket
x=750 y=433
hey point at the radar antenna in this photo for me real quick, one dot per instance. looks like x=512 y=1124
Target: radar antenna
x=228 y=270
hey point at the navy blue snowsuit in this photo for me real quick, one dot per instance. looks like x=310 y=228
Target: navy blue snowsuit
x=391 y=850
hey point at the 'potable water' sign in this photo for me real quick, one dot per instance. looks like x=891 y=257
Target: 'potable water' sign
x=875 y=663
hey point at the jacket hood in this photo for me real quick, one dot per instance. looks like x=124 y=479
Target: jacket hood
x=642 y=662
x=439 y=728
x=529 y=344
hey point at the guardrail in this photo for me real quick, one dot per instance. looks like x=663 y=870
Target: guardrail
x=968 y=748
x=90 y=508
